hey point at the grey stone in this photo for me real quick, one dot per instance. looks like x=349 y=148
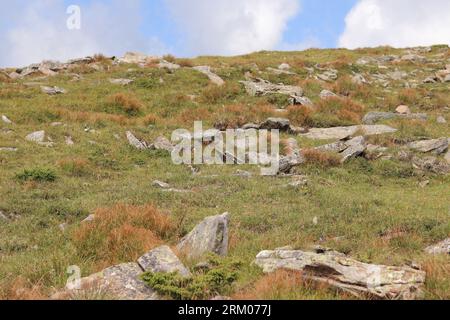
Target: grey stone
x=160 y=184
x=168 y=65
x=441 y=120
x=326 y=94
x=52 y=90
x=340 y=133
x=374 y=117
x=300 y=101
x=359 y=79
x=122 y=82
x=355 y=148
x=431 y=164
x=136 y=58
x=163 y=260
x=8 y=149
x=135 y=142
x=437 y=146
x=210 y=236
x=214 y=78
x=162 y=143
x=38 y=137
x=261 y=87
x=347 y=274
x=442 y=247
x=6 y=120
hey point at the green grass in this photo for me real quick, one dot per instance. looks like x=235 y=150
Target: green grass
x=356 y=204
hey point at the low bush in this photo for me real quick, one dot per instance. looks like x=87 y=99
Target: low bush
x=37 y=175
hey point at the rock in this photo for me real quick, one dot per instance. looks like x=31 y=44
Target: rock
x=136 y=58
x=249 y=126
x=279 y=71
x=440 y=248
x=328 y=75
x=8 y=149
x=431 y=79
x=90 y=218
x=163 y=260
x=243 y=174
x=374 y=117
x=52 y=90
x=160 y=184
x=355 y=148
x=326 y=94
x=162 y=143
x=397 y=75
x=431 y=164
x=300 y=101
x=349 y=275
x=284 y=66
x=437 y=146
x=281 y=124
x=261 y=87
x=214 y=78
x=38 y=137
x=359 y=79
x=414 y=58
x=447 y=157
x=374 y=152
x=122 y=82
x=403 y=110
x=210 y=236
x=69 y=141
x=6 y=120
x=168 y=65
x=341 y=133
x=441 y=120
x=447 y=78
x=135 y=142
x=299 y=182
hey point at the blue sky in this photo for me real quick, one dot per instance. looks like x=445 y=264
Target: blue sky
x=33 y=30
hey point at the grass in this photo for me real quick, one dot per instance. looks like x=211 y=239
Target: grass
x=360 y=206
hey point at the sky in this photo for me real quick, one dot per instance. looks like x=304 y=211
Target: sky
x=36 y=30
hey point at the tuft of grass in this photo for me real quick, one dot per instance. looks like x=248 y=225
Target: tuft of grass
x=76 y=167
x=122 y=233
x=127 y=103
x=216 y=280
x=215 y=94
x=321 y=159
x=337 y=111
x=37 y=175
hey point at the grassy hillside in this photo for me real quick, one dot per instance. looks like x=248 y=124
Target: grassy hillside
x=377 y=211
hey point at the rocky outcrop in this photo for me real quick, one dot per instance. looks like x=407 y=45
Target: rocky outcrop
x=136 y=58
x=163 y=260
x=214 y=78
x=349 y=275
x=436 y=146
x=210 y=236
x=261 y=87
x=163 y=64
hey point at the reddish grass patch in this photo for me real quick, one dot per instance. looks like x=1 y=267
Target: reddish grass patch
x=323 y=159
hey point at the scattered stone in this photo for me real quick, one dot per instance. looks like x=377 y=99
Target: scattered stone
x=374 y=117
x=437 y=146
x=211 y=235
x=160 y=184
x=163 y=260
x=214 y=78
x=300 y=101
x=440 y=248
x=349 y=275
x=135 y=142
x=374 y=152
x=441 y=120
x=326 y=94
x=69 y=141
x=397 y=75
x=355 y=148
x=424 y=184
x=162 y=143
x=447 y=157
x=403 y=110
x=122 y=82
x=414 y=58
x=431 y=79
x=261 y=87
x=38 y=137
x=168 y=65
x=52 y=90
x=63 y=227
x=328 y=75
x=430 y=164
x=341 y=133
x=6 y=120
x=299 y=182
x=359 y=79
x=90 y=218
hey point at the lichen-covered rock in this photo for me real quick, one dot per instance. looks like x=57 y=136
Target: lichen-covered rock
x=210 y=236
x=163 y=260
x=340 y=271
x=135 y=142
x=442 y=247
x=340 y=133
x=261 y=87
x=38 y=137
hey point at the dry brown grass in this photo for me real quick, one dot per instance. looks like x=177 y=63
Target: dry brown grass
x=122 y=233
x=22 y=289
x=128 y=102
x=438 y=277
x=214 y=94
x=236 y=115
x=344 y=86
x=150 y=119
x=300 y=115
x=344 y=109
x=74 y=166
x=320 y=158
x=170 y=58
x=185 y=63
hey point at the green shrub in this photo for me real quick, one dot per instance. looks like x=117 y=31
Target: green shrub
x=37 y=174
x=217 y=280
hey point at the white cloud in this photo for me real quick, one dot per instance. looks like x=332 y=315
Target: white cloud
x=40 y=31
x=400 y=23
x=232 y=27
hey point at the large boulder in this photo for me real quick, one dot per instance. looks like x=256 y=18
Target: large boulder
x=337 y=270
x=210 y=236
x=163 y=260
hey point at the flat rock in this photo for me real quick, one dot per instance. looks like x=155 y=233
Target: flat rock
x=52 y=90
x=38 y=137
x=355 y=148
x=163 y=260
x=6 y=120
x=214 y=78
x=349 y=275
x=340 y=133
x=281 y=124
x=160 y=184
x=431 y=164
x=403 y=110
x=9 y=149
x=136 y=58
x=437 y=146
x=210 y=236
x=326 y=94
x=163 y=64
x=374 y=117
x=122 y=82
x=162 y=143
x=440 y=248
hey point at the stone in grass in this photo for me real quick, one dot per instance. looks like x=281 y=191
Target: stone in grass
x=403 y=110
x=437 y=146
x=160 y=184
x=163 y=260
x=349 y=275
x=38 y=137
x=135 y=142
x=6 y=120
x=52 y=90
x=210 y=236
x=442 y=247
